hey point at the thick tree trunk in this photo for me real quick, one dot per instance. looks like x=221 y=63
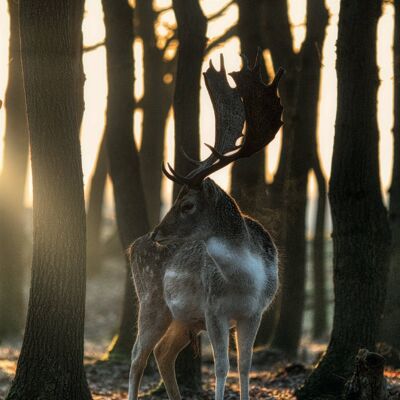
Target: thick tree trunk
x=50 y=365
x=156 y=103
x=12 y=188
x=320 y=324
x=391 y=321
x=248 y=176
x=304 y=124
x=123 y=158
x=360 y=226
x=192 y=25
x=94 y=217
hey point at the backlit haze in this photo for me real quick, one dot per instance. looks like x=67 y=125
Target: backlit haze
x=96 y=85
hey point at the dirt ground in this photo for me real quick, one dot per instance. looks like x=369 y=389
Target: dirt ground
x=271 y=378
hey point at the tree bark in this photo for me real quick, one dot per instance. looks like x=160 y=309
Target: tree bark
x=156 y=103
x=248 y=176
x=391 y=321
x=320 y=324
x=304 y=124
x=94 y=217
x=192 y=25
x=12 y=188
x=50 y=365
x=360 y=228
x=123 y=158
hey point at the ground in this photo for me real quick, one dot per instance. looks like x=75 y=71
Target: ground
x=272 y=377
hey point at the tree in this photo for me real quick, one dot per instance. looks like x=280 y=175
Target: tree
x=191 y=26
x=123 y=158
x=248 y=176
x=302 y=158
x=360 y=227
x=12 y=188
x=391 y=321
x=158 y=74
x=50 y=365
x=94 y=216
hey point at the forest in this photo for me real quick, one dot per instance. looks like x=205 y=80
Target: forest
x=200 y=199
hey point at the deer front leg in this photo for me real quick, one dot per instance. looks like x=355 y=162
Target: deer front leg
x=153 y=322
x=246 y=330
x=166 y=352
x=218 y=331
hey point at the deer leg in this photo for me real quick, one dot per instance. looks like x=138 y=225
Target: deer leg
x=166 y=352
x=246 y=330
x=151 y=328
x=218 y=331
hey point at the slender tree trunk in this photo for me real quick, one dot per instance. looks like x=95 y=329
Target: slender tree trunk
x=318 y=257
x=289 y=329
x=12 y=188
x=248 y=176
x=360 y=227
x=50 y=365
x=156 y=103
x=391 y=321
x=95 y=210
x=123 y=158
x=192 y=25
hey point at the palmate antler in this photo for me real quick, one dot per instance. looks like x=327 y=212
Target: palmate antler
x=253 y=102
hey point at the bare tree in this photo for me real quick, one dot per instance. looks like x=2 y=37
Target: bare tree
x=123 y=158
x=191 y=29
x=12 y=189
x=50 y=365
x=391 y=321
x=360 y=227
x=302 y=158
x=158 y=74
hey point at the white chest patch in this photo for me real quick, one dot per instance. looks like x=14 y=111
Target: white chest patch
x=238 y=261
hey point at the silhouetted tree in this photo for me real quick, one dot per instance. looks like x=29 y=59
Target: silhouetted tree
x=12 y=188
x=248 y=176
x=94 y=216
x=50 y=365
x=158 y=74
x=360 y=226
x=123 y=158
x=303 y=151
x=191 y=29
x=391 y=321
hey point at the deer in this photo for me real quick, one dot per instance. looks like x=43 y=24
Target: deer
x=206 y=265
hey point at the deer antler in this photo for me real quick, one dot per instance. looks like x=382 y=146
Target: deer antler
x=251 y=101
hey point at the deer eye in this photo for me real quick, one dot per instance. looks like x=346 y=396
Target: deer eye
x=187 y=207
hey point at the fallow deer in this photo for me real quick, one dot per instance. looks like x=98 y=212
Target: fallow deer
x=206 y=265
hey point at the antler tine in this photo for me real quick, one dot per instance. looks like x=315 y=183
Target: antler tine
x=196 y=163
x=277 y=78
x=174 y=176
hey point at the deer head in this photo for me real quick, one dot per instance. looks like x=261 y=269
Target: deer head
x=201 y=204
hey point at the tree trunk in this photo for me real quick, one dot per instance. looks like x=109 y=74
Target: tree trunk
x=50 y=365
x=156 y=103
x=192 y=26
x=94 y=217
x=123 y=158
x=248 y=176
x=12 y=188
x=391 y=321
x=360 y=227
x=318 y=257
x=304 y=124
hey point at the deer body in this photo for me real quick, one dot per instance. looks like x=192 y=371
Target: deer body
x=206 y=265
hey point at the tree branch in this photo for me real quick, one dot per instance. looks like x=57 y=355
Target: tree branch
x=229 y=33
x=221 y=11
x=86 y=49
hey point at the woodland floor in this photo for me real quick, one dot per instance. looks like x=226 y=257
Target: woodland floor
x=272 y=377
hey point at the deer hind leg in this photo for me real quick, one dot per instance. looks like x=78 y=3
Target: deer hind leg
x=218 y=331
x=166 y=352
x=246 y=330
x=151 y=327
